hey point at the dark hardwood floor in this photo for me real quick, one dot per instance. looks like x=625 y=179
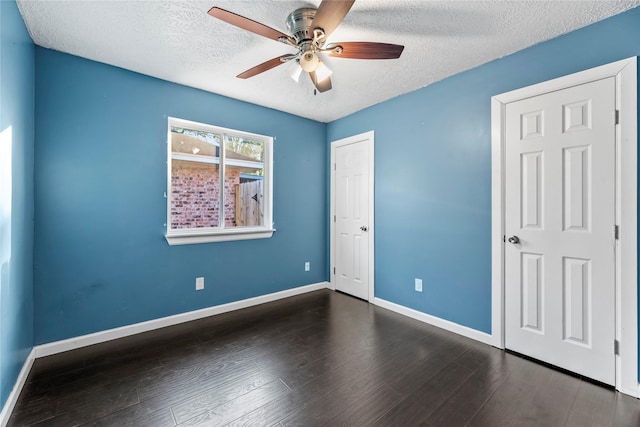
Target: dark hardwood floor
x=321 y=358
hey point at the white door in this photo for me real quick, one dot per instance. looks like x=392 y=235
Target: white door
x=559 y=225
x=351 y=237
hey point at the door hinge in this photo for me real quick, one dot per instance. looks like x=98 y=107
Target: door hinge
x=504 y=238
x=617 y=117
x=334 y=270
x=334 y=166
x=616 y=232
x=334 y=218
x=616 y=347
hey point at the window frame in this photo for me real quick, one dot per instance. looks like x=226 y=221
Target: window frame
x=221 y=233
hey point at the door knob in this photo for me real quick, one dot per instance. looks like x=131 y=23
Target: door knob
x=514 y=240
x=363 y=228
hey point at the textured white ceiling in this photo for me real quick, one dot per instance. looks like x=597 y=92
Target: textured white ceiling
x=179 y=42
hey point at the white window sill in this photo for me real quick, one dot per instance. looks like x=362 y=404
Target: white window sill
x=203 y=236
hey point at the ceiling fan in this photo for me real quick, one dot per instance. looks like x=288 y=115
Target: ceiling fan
x=309 y=30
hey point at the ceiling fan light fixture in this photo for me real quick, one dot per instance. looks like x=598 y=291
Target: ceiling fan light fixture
x=322 y=71
x=295 y=70
x=309 y=61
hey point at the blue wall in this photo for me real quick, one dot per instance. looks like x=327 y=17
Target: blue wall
x=101 y=257
x=433 y=170
x=16 y=195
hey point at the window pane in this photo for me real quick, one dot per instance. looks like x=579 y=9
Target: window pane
x=244 y=173
x=195 y=179
x=195 y=142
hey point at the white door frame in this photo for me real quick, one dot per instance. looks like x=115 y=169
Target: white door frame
x=368 y=137
x=625 y=73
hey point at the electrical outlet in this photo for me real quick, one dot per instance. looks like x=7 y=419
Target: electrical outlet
x=307 y=266
x=199 y=283
x=418 y=285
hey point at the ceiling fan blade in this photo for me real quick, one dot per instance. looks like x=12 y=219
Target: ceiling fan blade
x=330 y=14
x=367 y=50
x=322 y=86
x=245 y=23
x=261 y=68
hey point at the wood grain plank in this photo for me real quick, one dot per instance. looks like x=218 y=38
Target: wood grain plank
x=594 y=405
x=88 y=410
x=510 y=403
x=627 y=411
x=460 y=408
x=239 y=406
x=417 y=406
x=367 y=407
x=219 y=395
x=139 y=415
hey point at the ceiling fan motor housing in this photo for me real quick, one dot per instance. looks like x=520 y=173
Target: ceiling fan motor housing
x=299 y=23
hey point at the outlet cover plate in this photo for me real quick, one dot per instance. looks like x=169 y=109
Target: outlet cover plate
x=199 y=283
x=307 y=266
x=418 y=285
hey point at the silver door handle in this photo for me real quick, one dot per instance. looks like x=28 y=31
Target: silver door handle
x=514 y=240
x=363 y=228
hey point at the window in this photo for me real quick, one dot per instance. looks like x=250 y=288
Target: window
x=219 y=184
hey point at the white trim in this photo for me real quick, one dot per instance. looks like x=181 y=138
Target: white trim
x=434 y=321
x=497 y=223
x=369 y=138
x=204 y=127
x=625 y=72
x=209 y=235
x=627 y=217
x=7 y=409
x=216 y=160
x=125 y=331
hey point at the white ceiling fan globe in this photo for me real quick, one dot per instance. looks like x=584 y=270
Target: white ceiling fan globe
x=309 y=61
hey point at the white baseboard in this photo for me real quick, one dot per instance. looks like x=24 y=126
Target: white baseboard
x=435 y=321
x=630 y=391
x=136 y=328
x=17 y=388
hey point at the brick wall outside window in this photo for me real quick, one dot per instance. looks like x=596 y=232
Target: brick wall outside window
x=195 y=195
